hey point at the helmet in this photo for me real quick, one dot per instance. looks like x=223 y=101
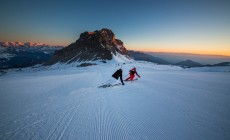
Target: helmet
x=134 y=68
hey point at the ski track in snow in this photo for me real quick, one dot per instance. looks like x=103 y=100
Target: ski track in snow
x=165 y=103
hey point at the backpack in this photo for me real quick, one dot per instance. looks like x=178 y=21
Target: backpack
x=132 y=72
x=117 y=74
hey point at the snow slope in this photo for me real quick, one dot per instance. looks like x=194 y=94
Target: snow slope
x=165 y=103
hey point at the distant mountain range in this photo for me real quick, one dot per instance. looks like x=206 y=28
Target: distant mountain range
x=27 y=44
x=14 y=56
x=188 y=63
x=222 y=64
x=144 y=56
x=174 y=58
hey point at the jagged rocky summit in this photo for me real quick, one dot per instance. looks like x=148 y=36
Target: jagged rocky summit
x=91 y=46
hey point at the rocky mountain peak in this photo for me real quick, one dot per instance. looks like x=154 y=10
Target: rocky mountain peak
x=91 y=46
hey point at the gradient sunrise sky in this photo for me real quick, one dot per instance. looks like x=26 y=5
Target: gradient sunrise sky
x=184 y=26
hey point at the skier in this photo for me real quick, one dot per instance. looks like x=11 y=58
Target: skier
x=118 y=74
x=132 y=74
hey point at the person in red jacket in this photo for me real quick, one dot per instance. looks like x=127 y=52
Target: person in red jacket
x=132 y=74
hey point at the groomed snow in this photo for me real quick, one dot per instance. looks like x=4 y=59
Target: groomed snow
x=167 y=102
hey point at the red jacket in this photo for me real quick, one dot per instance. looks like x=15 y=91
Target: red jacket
x=133 y=72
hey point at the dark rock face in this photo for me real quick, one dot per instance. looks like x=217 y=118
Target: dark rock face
x=91 y=46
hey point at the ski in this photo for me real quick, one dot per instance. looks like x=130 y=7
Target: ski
x=130 y=80
x=109 y=85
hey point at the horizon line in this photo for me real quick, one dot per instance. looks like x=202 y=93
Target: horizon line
x=182 y=53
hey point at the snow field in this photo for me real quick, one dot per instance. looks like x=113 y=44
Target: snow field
x=165 y=103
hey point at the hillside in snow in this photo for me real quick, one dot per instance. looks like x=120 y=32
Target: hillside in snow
x=64 y=102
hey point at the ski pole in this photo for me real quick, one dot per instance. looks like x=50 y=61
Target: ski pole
x=125 y=75
x=106 y=82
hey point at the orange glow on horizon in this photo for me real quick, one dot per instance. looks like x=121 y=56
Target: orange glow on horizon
x=203 y=51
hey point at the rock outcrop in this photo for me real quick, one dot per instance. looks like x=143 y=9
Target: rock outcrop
x=91 y=46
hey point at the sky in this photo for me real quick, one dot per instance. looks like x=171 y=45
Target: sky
x=182 y=26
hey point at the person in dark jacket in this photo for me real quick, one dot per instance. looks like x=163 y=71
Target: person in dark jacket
x=118 y=74
x=132 y=74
